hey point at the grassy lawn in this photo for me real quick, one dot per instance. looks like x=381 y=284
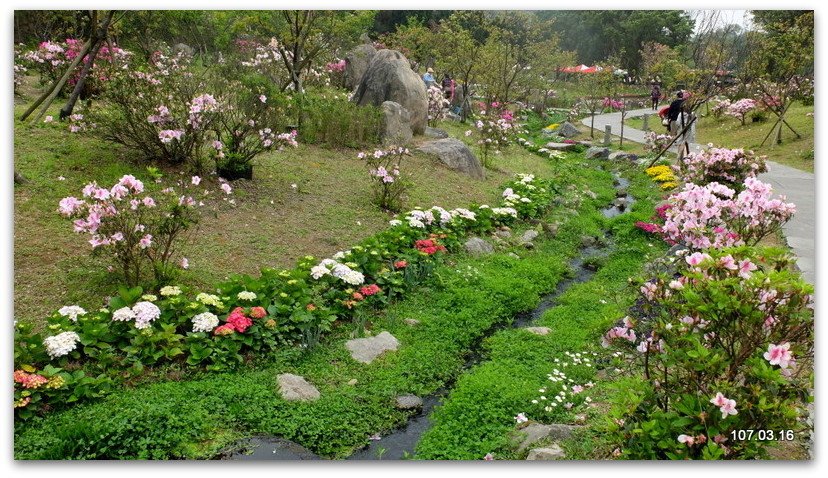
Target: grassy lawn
x=271 y=225
x=728 y=132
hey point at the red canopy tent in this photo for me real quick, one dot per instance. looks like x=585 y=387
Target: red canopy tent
x=581 y=69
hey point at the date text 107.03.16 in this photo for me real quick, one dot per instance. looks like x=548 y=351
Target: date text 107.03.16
x=762 y=435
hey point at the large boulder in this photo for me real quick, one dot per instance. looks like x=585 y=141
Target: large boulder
x=597 y=152
x=390 y=78
x=456 y=155
x=567 y=130
x=356 y=62
x=477 y=247
x=396 y=124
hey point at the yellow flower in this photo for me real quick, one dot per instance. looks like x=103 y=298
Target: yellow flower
x=553 y=126
x=56 y=382
x=669 y=185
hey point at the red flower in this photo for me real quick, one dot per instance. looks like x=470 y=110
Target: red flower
x=358 y=296
x=400 y=264
x=370 y=289
x=429 y=246
x=238 y=321
x=310 y=307
x=258 y=312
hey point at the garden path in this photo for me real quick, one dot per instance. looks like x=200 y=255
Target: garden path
x=797 y=185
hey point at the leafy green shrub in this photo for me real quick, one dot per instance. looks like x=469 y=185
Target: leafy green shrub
x=330 y=119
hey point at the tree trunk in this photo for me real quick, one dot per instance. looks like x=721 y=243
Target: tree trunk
x=99 y=35
x=55 y=87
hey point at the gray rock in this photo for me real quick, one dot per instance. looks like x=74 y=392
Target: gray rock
x=585 y=143
x=621 y=192
x=183 y=49
x=535 y=432
x=513 y=255
x=356 y=62
x=597 y=152
x=411 y=322
x=529 y=245
x=456 y=155
x=396 y=124
x=539 y=330
x=477 y=246
x=435 y=133
x=367 y=349
x=588 y=241
x=352 y=382
x=389 y=77
x=503 y=234
x=296 y=388
x=560 y=146
x=529 y=235
x=408 y=402
x=622 y=156
x=552 y=452
x=567 y=130
x=550 y=229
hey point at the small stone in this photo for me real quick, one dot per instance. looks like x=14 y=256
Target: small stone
x=529 y=235
x=622 y=156
x=621 y=192
x=411 y=322
x=296 y=388
x=477 y=246
x=367 y=349
x=539 y=330
x=535 y=432
x=588 y=241
x=560 y=146
x=580 y=418
x=552 y=452
x=352 y=382
x=408 y=402
x=513 y=255
x=503 y=234
x=529 y=245
x=597 y=153
x=550 y=229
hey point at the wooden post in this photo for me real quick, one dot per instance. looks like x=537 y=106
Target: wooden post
x=646 y=126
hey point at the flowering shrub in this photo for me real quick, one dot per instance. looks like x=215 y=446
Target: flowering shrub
x=725 y=166
x=613 y=104
x=494 y=130
x=163 y=112
x=51 y=59
x=701 y=217
x=655 y=142
x=662 y=174
x=336 y=71
x=137 y=229
x=741 y=108
x=388 y=185
x=720 y=106
x=718 y=346
x=437 y=104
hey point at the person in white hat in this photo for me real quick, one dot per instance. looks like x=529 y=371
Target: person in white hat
x=428 y=78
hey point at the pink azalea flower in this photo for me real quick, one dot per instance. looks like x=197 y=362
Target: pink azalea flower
x=577 y=389
x=196 y=180
x=686 y=439
x=745 y=268
x=145 y=241
x=696 y=258
x=728 y=263
x=489 y=457
x=185 y=264
x=226 y=188
x=726 y=405
x=779 y=354
x=521 y=418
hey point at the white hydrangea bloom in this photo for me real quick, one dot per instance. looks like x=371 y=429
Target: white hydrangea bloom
x=145 y=313
x=504 y=211
x=394 y=222
x=124 y=314
x=170 y=290
x=464 y=213
x=413 y=222
x=246 y=295
x=353 y=277
x=318 y=271
x=61 y=344
x=72 y=311
x=205 y=322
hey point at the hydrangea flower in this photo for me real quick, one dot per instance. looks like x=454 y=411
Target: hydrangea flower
x=170 y=290
x=61 y=344
x=72 y=311
x=145 y=313
x=246 y=295
x=205 y=322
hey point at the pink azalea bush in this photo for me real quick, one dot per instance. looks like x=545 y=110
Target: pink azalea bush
x=714 y=215
x=719 y=106
x=51 y=59
x=656 y=142
x=388 y=184
x=138 y=230
x=741 y=108
x=495 y=129
x=720 y=345
x=725 y=166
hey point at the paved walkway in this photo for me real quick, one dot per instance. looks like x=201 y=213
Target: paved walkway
x=797 y=185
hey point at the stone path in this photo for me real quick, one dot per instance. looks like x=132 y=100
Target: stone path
x=799 y=187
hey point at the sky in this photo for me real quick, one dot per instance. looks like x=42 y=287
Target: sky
x=740 y=17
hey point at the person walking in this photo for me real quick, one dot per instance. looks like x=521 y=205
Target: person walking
x=655 y=95
x=428 y=78
x=675 y=112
